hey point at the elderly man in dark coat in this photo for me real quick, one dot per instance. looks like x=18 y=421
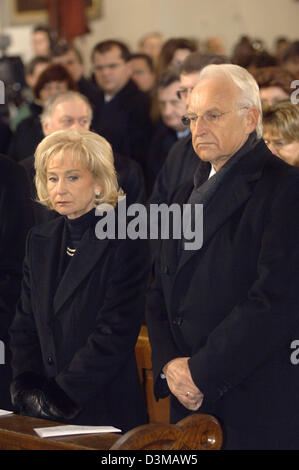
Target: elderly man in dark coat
x=222 y=318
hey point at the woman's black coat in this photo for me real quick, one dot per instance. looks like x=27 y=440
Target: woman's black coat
x=82 y=330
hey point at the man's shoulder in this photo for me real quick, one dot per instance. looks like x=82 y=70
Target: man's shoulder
x=131 y=96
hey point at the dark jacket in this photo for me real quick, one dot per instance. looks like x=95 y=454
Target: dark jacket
x=130 y=179
x=89 y=89
x=16 y=219
x=125 y=122
x=81 y=328
x=179 y=167
x=162 y=141
x=5 y=137
x=232 y=306
x=27 y=135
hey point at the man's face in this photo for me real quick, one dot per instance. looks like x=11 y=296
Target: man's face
x=219 y=127
x=111 y=71
x=71 y=62
x=187 y=83
x=142 y=74
x=72 y=114
x=171 y=107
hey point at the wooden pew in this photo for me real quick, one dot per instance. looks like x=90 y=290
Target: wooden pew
x=158 y=412
x=196 y=432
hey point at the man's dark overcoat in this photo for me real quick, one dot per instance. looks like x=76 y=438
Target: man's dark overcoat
x=125 y=122
x=233 y=305
x=81 y=327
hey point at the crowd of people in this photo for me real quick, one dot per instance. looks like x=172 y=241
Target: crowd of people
x=137 y=122
x=172 y=122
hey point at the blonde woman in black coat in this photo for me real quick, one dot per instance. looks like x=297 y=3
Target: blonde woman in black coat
x=82 y=300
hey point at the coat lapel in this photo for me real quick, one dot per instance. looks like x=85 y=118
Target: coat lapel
x=47 y=246
x=232 y=194
x=80 y=265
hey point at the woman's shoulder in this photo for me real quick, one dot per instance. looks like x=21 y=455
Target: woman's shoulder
x=48 y=228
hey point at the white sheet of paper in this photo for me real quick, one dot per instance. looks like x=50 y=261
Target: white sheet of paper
x=71 y=429
x=5 y=412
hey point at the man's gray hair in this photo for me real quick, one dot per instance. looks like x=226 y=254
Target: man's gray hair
x=250 y=94
x=62 y=97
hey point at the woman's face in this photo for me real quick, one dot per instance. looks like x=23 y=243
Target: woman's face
x=287 y=151
x=71 y=186
x=273 y=94
x=51 y=88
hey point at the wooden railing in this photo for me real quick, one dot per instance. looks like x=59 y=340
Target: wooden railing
x=196 y=432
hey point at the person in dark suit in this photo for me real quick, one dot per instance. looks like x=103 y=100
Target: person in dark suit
x=16 y=220
x=82 y=298
x=5 y=136
x=122 y=111
x=72 y=110
x=169 y=128
x=222 y=317
x=70 y=57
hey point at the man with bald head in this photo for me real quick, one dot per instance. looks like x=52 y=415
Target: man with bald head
x=72 y=110
x=222 y=318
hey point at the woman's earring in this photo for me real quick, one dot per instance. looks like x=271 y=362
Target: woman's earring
x=97 y=196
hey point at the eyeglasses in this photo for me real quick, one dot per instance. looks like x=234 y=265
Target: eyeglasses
x=69 y=121
x=183 y=92
x=163 y=104
x=113 y=66
x=276 y=143
x=209 y=117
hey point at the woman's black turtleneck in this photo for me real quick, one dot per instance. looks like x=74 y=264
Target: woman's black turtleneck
x=74 y=230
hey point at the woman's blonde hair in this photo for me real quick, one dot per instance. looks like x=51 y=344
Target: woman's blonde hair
x=91 y=150
x=282 y=118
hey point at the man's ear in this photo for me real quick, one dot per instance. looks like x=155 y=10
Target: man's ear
x=46 y=128
x=252 y=119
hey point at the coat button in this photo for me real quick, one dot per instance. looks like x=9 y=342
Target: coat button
x=164 y=269
x=50 y=361
x=177 y=321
